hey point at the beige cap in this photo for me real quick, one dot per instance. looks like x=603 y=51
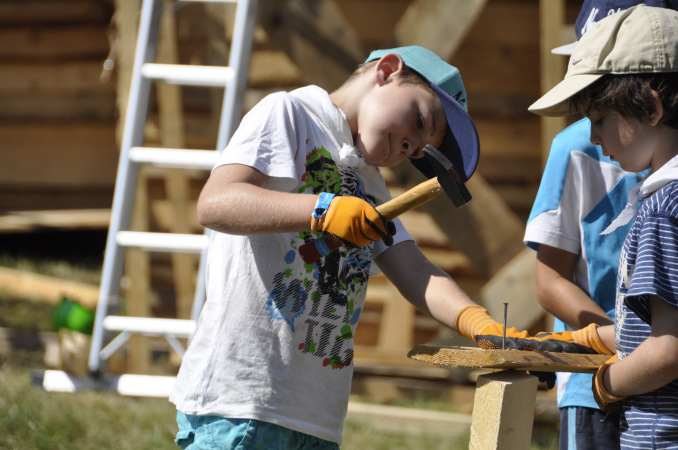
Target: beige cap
x=640 y=39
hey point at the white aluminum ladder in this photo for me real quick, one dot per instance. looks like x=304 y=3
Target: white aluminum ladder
x=233 y=78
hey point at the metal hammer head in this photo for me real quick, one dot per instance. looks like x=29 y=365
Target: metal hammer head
x=448 y=177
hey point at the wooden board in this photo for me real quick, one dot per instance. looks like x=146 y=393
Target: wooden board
x=507 y=359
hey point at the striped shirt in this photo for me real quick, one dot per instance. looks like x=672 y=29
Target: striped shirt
x=648 y=266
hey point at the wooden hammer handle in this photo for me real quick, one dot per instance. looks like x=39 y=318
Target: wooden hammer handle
x=417 y=196
x=310 y=252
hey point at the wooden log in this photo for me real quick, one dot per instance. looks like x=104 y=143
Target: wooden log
x=507 y=359
x=361 y=14
x=46 y=288
x=503 y=411
x=85 y=40
x=63 y=11
x=77 y=78
x=40 y=107
x=34 y=154
x=24 y=221
x=439 y=25
x=316 y=37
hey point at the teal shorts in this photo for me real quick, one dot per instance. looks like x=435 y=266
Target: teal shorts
x=215 y=432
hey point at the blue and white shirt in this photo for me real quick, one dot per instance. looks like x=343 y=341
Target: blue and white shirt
x=648 y=267
x=581 y=192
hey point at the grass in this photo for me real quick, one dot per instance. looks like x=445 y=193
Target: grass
x=34 y=419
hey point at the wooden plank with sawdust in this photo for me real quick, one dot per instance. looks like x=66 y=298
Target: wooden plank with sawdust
x=507 y=359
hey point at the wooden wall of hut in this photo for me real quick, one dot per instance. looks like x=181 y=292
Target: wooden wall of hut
x=59 y=113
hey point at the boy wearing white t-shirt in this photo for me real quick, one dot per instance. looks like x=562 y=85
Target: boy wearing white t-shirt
x=271 y=363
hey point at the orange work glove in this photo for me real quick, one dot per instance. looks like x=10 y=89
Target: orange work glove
x=606 y=401
x=584 y=340
x=351 y=220
x=474 y=322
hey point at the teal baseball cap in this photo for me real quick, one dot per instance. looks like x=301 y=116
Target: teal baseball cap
x=461 y=144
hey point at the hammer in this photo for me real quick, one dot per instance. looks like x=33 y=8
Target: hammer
x=447 y=179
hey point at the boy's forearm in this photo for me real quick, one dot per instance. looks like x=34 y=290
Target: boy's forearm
x=654 y=363
x=233 y=201
x=423 y=284
x=444 y=299
x=244 y=209
x=569 y=303
x=644 y=370
x=559 y=295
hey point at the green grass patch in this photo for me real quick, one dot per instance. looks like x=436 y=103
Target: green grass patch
x=358 y=436
x=35 y=419
x=25 y=314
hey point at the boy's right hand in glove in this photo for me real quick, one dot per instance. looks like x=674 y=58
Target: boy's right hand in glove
x=350 y=219
x=606 y=401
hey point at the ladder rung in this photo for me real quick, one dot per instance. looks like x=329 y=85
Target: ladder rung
x=188 y=75
x=174 y=157
x=162 y=242
x=132 y=385
x=150 y=326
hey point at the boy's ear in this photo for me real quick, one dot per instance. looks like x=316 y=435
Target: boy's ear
x=388 y=65
x=658 y=113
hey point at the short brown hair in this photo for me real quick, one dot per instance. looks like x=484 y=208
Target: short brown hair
x=630 y=96
x=408 y=76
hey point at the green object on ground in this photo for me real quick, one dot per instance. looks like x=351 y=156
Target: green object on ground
x=73 y=316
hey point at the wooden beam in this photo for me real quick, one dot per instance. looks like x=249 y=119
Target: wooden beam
x=503 y=411
x=137 y=274
x=92 y=157
x=375 y=34
x=23 y=221
x=514 y=284
x=82 y=41
x=75 y=78
x=63 y=11
x=487 y=231
x=171 y=115
x=46 y=288
x=126 y=21
x=439 y=25
x=507 y=359
x=551 y=18
x=316 y=36
x=504 y=404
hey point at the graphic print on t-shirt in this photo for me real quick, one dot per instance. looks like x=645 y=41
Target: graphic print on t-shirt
x=322 y=302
